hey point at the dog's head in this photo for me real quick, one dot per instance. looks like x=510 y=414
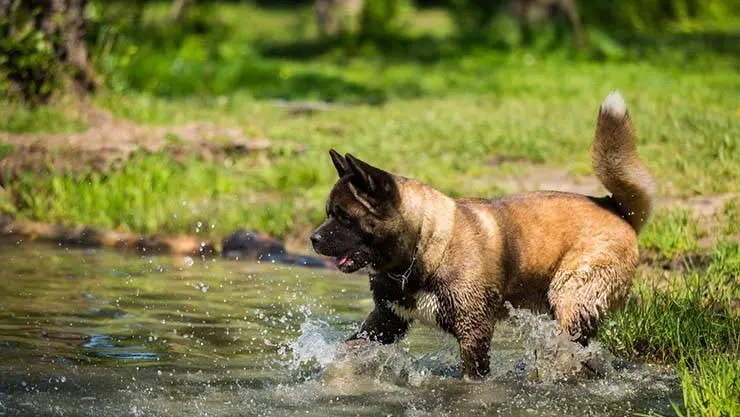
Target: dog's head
x=363 y=225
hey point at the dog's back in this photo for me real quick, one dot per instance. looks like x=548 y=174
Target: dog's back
x=537 y=234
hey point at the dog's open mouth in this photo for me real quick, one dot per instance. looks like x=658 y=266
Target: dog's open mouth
x=351 y=262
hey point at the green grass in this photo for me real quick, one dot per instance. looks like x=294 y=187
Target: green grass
x=153 y=193
x=17 y=118
x=710 y=387
x=731 y=213
x=694 y=323
x=6 y=149
x=671 y=233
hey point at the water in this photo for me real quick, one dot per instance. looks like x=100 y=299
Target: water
x=93 y=333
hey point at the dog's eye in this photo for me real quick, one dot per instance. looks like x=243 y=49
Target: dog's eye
x=342 y=215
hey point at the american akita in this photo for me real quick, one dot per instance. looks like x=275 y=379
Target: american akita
x=452 y=263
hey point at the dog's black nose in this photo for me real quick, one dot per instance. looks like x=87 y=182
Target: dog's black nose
x=315 y=238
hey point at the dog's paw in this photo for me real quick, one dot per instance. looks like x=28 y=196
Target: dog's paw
x=353 y=346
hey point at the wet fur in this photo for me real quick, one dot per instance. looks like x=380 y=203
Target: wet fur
x=452 y=263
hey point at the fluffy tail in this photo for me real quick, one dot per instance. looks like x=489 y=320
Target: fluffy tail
x=617 y=164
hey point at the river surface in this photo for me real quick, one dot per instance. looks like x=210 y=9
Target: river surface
x=100 y=333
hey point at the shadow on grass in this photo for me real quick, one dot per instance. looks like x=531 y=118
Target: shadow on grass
x=685 y=47
x=677 y=48
x=173 y=76
x=423 y=49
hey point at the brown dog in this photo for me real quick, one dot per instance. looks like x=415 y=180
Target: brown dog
x=453 y=263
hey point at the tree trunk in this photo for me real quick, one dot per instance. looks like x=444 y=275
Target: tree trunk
x=5 y=8
x=335 y=16
x=74 y=49
x=178 y=9
x=64 y=26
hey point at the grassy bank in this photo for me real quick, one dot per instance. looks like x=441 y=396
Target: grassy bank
x=469 y=119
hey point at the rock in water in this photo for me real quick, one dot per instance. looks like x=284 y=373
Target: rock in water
x=251 y=245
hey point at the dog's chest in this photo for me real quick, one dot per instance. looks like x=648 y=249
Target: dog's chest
x=426 y=309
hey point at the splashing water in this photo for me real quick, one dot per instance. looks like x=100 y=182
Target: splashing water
x=549 y=353
x=315 y=342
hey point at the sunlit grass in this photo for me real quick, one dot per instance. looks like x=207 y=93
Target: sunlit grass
x=671 y=233
x=732 y=216
x=153 y=193
x=17 y=118
x=694 y=323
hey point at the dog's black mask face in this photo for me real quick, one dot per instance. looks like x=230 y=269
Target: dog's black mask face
x=361 y=216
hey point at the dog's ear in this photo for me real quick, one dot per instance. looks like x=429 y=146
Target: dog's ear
x=375 y=183
x=339 y=163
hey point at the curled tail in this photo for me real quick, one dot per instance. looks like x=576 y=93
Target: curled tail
x=617 y=165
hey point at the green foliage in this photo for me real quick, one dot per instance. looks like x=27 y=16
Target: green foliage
x=384 y=18
x=212 y=53
x=495 y=23
x=653 y=15
x=695 y=317
x=28 y=67
x=473 y=16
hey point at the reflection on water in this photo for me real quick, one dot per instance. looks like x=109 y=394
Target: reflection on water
x=92 y=333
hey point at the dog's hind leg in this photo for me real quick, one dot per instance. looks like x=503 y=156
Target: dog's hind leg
x=579 y=296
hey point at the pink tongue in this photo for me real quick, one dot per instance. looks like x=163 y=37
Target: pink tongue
x=343 y=261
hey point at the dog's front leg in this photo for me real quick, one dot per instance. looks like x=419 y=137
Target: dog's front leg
x=383 y=326
x=475 y=360
x=473 y=333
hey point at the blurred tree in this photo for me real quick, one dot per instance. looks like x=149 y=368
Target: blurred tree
x=43 y=41
x=478 y=18
x=534 y=12
x=361 y=19
x=337 y=16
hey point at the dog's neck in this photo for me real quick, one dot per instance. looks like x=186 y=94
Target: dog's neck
x=433 y=215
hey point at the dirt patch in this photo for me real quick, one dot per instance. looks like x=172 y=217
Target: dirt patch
x=109 y=141
x=681 y=263
x=703 y=205
x=543 y=177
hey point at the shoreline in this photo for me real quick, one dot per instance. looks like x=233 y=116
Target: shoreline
x=241 y=244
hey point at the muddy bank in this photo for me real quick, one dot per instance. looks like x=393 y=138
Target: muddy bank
x=239 y=245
